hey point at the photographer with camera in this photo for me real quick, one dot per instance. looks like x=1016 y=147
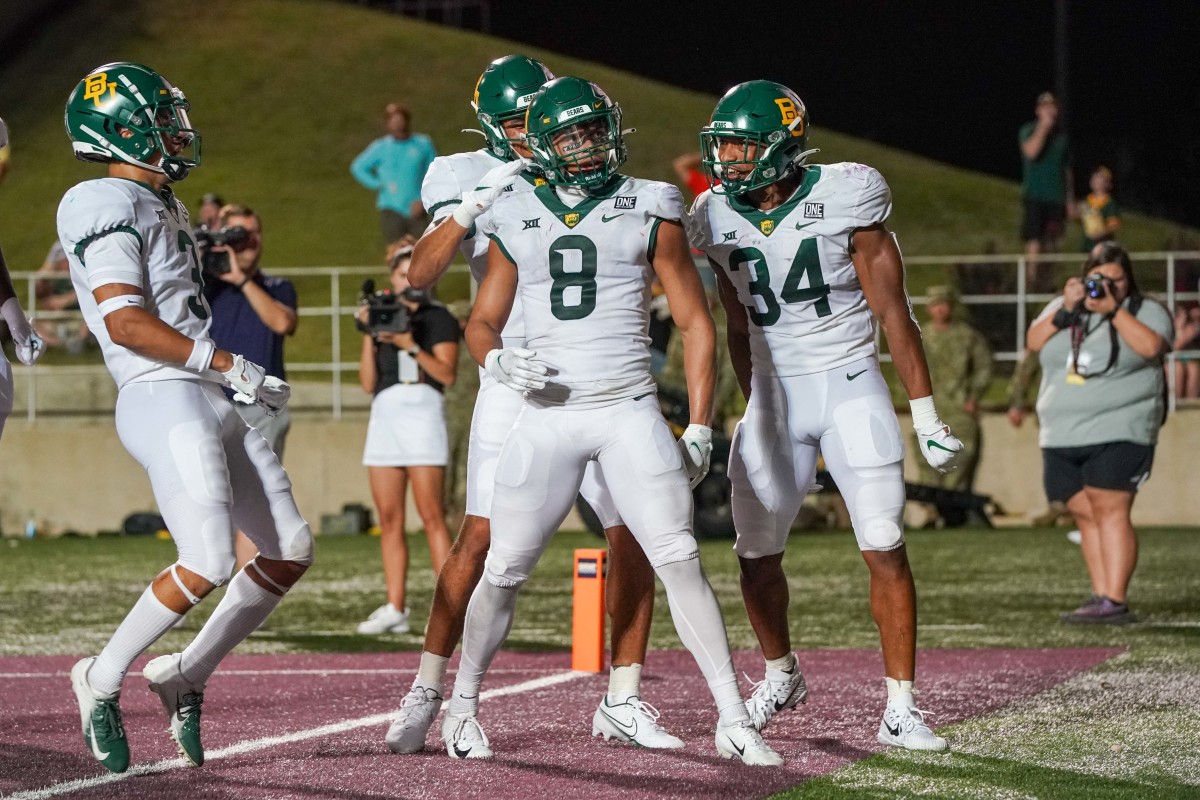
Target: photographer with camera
x=251 y=313
x=1101 y=402
x=409 y=357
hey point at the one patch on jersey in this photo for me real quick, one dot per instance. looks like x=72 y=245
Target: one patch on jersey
x=572 y=219
x=532 y=223
x=814 y=211
x=625 y=202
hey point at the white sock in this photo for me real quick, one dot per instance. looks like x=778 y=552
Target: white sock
x=431 y=674
x=489 y=619
x=899 y=689
x=624 y=682
x=245 y=607
x=144 y=625
x=785 y=663
x=698 y=622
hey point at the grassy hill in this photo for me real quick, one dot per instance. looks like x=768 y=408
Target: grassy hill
x=287 y=92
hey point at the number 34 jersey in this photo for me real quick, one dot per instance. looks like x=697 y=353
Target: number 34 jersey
x=583 y=280
x=121 y=231
x=792 y=270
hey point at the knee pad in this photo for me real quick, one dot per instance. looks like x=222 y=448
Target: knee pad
x=298 y=545
x=504 y=572
x=671 y=548
x=877 y=508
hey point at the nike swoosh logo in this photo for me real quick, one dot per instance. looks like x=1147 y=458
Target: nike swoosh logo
x=96 y=751
x=604 y=218
x=893 y=731
x=800 y=227
x=741 y=751
x=932 y=444
x=640 y=396
x=855 y=375
x=630 y=729
x=462 y=753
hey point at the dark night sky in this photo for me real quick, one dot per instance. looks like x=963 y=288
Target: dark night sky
x=952 y=81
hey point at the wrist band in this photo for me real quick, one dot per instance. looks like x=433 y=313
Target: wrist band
x=242 y=285
x=1063 y=319
x=202 y=355
x=414 y=351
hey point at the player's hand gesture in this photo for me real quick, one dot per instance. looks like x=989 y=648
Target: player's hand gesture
x=940 y=448
x=696 y=446
x=491 y=185
x=253 y=385
x=31 y=348
x=514 y=367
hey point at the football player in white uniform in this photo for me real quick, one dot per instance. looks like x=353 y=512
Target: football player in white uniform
x=28 y=344
x=458 y=192
x=581 y=253
x=134 y=265
x=805 y=263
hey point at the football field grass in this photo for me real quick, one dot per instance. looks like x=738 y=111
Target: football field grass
x=1125 y=729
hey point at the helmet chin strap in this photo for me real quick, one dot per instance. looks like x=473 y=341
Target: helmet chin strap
x=475 y=131
x=174 y=169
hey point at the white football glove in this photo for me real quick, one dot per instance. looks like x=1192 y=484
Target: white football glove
x=490 y=186
x=514 y=368
x=29 y=344
x=246 y=379
x=937 y=443
x=696 y=446
x=273 y=395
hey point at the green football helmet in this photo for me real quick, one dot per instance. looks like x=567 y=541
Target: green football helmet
x=574 y=132
x=503 y=92
x=770 y=123
x=128 y=112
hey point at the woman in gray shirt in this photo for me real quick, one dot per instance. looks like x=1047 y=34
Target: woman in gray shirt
x=1100 y=404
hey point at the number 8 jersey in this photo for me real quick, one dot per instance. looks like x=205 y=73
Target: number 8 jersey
x=121 y=231
x=792 y=270
x=583 y=280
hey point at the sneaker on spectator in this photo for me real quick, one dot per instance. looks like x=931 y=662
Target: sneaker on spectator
x=385 y=619
x=1075 y=536
x=1100 y=611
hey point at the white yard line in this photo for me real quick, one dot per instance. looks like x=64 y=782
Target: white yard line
x=310 y=671
x=253 y=745
x=973 y=626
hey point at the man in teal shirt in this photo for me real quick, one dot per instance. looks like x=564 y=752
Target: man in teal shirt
x=1046 y=186
x=394 y=166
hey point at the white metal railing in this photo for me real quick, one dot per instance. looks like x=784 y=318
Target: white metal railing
x=1161 y=284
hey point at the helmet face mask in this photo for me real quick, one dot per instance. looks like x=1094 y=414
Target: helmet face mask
x=129 y=113
x=502 y=93
x=757 y=136
x=574 y=132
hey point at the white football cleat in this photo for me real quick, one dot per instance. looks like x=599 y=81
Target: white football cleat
x=634 y=721
x=903 y=725
x=742 y=741
x=418 y=709
x=777 y=691
x=385 y=619
x=464 y=738
x=183 y=702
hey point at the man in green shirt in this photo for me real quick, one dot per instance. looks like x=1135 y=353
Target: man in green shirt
x=1046 y=186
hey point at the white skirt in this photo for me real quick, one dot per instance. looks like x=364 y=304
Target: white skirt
x=407 y=428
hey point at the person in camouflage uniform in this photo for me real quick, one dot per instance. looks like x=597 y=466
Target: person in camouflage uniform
x=960 y=363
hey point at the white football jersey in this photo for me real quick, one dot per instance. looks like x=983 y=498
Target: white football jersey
x=792 y=269
x=120 y=231
x=441 y=192
x=584 y=276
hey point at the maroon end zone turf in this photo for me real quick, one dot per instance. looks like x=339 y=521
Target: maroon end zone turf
x=541 y=736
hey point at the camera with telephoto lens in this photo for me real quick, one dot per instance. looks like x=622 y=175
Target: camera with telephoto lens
x=216 y=262
x=1097 y=285
x=385 y=312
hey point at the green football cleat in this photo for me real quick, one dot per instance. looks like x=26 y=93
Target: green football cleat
x=103 y=732
x=183 y=702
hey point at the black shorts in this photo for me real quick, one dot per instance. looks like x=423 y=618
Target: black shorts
x=1122 y=466
x=1042 y=220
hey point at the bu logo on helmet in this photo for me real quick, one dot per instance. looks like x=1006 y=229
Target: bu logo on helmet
x=95 y=86
x=788 y=114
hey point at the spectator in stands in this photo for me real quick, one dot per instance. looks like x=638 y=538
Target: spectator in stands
x=687 y=167
x=1101 y=403
x=253 y=313
x=407 y=368
x=55 y=293
x=960 y=364
x=1098 y=213
x=5 y=151
x=394 y=166
x=210 y=211
x=1187 y=337
x=1046 y=186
